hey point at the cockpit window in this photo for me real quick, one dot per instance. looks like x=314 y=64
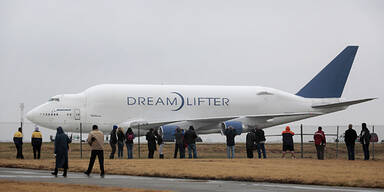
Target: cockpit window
x=54 y=99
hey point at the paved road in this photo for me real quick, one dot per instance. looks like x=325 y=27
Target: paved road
x=164 y=183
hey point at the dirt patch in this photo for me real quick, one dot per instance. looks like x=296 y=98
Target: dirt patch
x=16 y=186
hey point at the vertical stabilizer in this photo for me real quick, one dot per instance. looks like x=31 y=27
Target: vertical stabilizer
x=330 y=82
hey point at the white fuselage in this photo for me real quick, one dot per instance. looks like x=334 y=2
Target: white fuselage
x=120 y=104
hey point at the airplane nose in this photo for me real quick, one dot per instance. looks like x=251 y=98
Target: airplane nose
x=31 y=115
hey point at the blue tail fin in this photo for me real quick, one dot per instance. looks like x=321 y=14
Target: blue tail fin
x=330 y=82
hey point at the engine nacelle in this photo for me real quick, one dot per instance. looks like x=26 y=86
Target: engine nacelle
x=168 y=132
x=237 y=125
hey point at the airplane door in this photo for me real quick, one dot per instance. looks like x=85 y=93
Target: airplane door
x=77 y=114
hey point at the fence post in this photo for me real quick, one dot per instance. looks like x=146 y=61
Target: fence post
x=337 y=142
x=81 y=141
x=301 y=134
x=138 y=132
x=373 y=144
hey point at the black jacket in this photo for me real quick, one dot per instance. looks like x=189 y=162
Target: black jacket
x=120 y=137
x=250 y=140
x=350 y=136
x=365 y=136
x=230 y=134
x=61 y=148
x=179 y=137
x=113 y=139
x=151 y=139
x=259 y=136
x=287 y=138
x=190 y=137
x=159 y=140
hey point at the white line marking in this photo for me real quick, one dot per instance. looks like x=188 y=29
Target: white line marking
x=320 y=188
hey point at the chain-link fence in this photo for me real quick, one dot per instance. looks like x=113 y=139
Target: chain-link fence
x=303 y=137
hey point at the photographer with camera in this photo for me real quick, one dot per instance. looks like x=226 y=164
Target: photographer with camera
x=96 y=141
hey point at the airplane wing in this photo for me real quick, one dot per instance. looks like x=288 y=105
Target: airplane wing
x=145 y=124
x=271 y=116
x=154 y=124
x=342 y=104
x=210 y=120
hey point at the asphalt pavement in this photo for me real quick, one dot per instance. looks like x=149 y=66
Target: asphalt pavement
x=164 y=183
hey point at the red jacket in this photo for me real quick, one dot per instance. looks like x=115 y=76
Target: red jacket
x=319 y=138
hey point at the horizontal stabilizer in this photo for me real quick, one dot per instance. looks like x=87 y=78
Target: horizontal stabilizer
x=343 y=104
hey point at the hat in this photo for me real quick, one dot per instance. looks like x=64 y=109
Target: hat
x=36 y=128
x=287 y=128
x=114 y=126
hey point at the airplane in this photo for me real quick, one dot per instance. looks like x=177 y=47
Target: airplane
x=209 y=109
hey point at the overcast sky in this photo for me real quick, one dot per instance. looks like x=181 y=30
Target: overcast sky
x=54 y=47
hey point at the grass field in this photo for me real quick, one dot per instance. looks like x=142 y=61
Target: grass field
x=15 y=186
x=206 y=151
x=213 y=165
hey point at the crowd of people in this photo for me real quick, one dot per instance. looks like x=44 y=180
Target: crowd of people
x=255 y=140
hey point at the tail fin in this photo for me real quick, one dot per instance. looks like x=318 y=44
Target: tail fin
x=330 y=82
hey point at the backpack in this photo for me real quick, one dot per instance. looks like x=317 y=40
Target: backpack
x=130 y=137
x=373 y=137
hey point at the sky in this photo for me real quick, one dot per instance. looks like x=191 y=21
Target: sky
x=56 y=47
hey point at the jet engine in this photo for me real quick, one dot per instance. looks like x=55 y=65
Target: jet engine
x=237 y=125
x=168 y=132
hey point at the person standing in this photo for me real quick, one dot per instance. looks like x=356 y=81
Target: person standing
x=365 y=137
x=129 y=142
x=320 y=143
x=36 y=142
x=179 y=144
x=151 y=142
x=113 y=142
x=250 y=143
x=96 y=141
x=350 y=137
x=160 y=142
x=190 y=139
x=120 y=142
x=288 y=142
x=230 y=134
x=18 y=140
x=260 y=142
x=62 y=142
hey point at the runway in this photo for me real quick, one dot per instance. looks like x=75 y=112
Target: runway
x=165 y=183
